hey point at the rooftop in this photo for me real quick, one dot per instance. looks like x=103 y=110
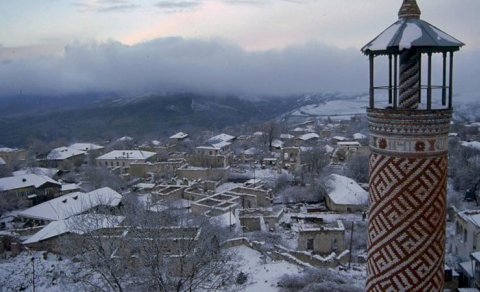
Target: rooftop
x=128 y=154
x=72 y=204
x=25 y=181
x=179 y=135
x=85 y=146
x=346 y=191
x=62 y=153
x=78 y=224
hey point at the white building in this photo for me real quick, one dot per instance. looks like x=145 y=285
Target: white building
x=121 y=159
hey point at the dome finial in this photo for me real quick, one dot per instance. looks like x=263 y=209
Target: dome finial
x=409 y=9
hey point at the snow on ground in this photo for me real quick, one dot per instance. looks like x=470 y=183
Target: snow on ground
x=263 y=274
x=341 y=109
x=227 y=186
x=51 y=274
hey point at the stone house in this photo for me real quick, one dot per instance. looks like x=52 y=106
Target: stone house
x=65 y=158
x=216 y=204
x=291 y=158
x=259 y=219
x=10 y=155
x=28 y=189
x=467 y=234
x=344 y=195
x=321 y=238
x=122 y=159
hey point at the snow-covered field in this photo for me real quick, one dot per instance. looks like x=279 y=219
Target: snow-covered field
x=263 y=273
x=51 y=273
x=340 y=109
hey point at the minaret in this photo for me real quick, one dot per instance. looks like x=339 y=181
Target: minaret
x=409 y=126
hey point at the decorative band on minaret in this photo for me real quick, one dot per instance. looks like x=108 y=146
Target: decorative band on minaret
x=409 y=158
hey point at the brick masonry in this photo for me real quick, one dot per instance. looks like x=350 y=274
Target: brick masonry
x=408 y=173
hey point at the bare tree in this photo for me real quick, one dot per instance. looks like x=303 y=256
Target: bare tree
x=153 y=250
x=270 y=132
x=358 y=167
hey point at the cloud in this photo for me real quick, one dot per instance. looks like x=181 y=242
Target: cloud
x=200 y=66
x=173 y=6
x=105 y=6
x=118 y=8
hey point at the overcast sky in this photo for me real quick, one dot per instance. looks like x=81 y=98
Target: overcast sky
x=220 y=46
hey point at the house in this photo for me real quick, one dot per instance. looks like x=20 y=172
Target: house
x=71 y=204
x=467 y=234
x=121 y=159
x=476 y=269
x=359 y=136
x=179 y=137
x=50 y=236
x=211 y=156
x=65 y=157
x=259 y=219
x=221 y=138
x=203 y=173
x=9 y=155
x=28 y=189
x=307 y=139
x=350 y=146
x=317 y=236
x=216 y=204
x=291 y=158
x=344 y=195
x=165 y=169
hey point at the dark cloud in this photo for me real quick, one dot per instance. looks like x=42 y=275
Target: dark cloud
x=193 y=65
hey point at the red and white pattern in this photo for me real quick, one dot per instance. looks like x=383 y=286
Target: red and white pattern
x=406 y=233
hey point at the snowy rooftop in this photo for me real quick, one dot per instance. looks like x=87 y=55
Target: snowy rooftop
x=78 y=224
x=286 y=136
x=309 y=136
x=221 y=144
x=72 y=204
x=339 y=138
x=50 y=172
x=251 y=151
x=24 y=181
x=359 y=136
x=127 y=154
x=179 y=135
x=6 y=149
x=2 y=162
x=62 y=153
x=472 y=216
x=277 y=143
x=474 y=145
x=222 y=137
x=345 y=191
x=408 y=33
x=85 y=146
x=125 y=138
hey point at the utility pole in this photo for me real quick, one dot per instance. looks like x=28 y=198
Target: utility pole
x=351 y=243
x=33 y=274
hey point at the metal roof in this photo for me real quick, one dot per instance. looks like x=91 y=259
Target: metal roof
x=407 y=33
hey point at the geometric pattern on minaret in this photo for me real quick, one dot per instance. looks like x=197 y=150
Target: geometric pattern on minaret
x=408 y=173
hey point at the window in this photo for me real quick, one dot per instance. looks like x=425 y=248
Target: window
x=465 y=235
x=310 y=244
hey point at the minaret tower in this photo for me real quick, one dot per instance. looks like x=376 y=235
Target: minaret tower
x=409 y=125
